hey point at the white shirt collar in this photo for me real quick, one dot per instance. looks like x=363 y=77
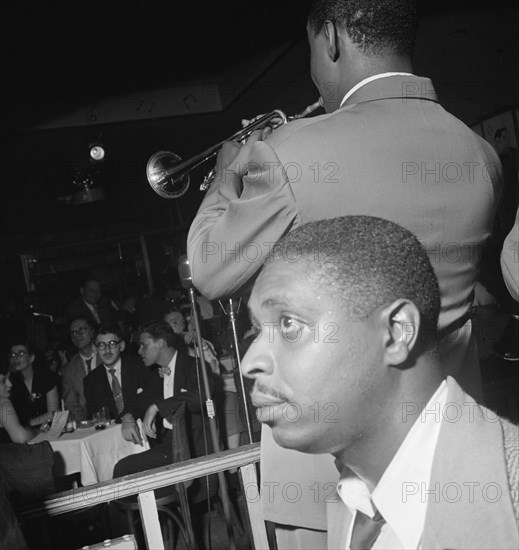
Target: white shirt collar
x=92 y=356
x=399 y=495
x=366 y=81
x=117 y=367
x=168 y=379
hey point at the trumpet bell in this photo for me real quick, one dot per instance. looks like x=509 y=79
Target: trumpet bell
x=162 y=176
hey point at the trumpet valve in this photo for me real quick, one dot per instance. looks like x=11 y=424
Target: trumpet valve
x=208 y=180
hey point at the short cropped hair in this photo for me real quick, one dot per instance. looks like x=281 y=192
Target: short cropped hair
x=85 y=318
x=367 y=262
x=376 y=27
x=84 y=282
x=158 y=330
x=109 y=328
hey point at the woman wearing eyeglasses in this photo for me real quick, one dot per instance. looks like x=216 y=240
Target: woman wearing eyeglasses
x=11 y=429
x=35 y=388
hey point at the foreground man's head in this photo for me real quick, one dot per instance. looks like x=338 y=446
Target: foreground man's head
x=346 y=312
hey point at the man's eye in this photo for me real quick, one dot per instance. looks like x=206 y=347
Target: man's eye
x=289 y=323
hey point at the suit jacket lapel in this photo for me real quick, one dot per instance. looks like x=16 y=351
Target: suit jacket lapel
x=338 y=519
x=469 y=481
x=125 y=379
x=180 y=373
x=469 y=484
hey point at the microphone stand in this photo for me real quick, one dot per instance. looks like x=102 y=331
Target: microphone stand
x=213 y=428
x=232 y=319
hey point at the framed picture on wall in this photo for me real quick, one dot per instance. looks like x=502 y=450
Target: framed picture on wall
x=499 y=131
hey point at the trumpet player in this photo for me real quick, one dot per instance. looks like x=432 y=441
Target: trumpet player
x=385 y=147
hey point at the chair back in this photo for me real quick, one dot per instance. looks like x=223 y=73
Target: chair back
x=181 y=452
x=179 y=440
x=27 y=471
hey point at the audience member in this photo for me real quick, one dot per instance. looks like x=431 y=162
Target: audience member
x=177 y=322
x=127 y=324
x=35 y=388
x=117 y=385
x=347 y=362
x=134 y=293
x=53 y=360
x=82 y=333
x=11 y=429
x=174 y=382
x=92 y=304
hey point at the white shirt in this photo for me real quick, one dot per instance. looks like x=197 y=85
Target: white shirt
x=168 y=381
x=117 y=367
x=369 y=79
x=400 y=495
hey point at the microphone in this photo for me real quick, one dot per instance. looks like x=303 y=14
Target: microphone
x=184 y=271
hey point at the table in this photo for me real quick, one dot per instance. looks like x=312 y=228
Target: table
x=92 y=453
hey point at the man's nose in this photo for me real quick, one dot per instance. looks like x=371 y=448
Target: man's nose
x=257 y=361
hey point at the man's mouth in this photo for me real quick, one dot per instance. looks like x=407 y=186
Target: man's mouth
x=262 y=396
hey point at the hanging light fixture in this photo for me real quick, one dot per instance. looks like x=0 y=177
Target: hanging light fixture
x=97 y=152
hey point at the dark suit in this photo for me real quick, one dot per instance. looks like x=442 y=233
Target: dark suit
x=78 y=308
x=97 y=385
x=161 y=454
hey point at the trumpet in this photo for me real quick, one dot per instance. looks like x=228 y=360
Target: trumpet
x=168 y=174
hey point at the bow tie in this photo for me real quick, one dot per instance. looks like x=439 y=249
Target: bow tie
x=164 y=371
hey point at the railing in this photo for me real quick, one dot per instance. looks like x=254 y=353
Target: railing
x=145 y=483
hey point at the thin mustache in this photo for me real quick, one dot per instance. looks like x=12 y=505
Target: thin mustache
x=258 y=387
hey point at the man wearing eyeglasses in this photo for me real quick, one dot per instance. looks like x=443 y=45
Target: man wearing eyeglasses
x=82 y=334
x=121 y=378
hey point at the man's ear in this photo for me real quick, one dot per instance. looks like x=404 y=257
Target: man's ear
x=402 y=327
x=122 y=345
x=332 y=40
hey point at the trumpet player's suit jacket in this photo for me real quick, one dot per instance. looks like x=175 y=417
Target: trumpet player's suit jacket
x=390 y=151
x=473 y=497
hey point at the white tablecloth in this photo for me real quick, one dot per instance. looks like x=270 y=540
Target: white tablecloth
x=93 y=453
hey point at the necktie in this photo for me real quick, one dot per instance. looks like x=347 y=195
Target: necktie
x=365 y=531
x=89 y=365
x=117 y=391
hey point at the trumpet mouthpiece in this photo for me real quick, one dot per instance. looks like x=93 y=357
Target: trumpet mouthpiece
x=310 y=109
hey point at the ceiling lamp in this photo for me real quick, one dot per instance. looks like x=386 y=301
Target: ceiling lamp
x=97 y=152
